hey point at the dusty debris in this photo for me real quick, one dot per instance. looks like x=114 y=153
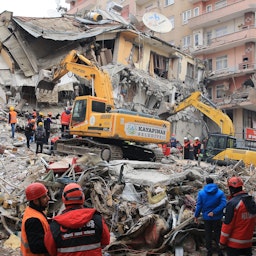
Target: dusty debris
x=148 y=206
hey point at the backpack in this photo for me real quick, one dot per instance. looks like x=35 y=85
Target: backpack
x=40 y=134
x=28 y=129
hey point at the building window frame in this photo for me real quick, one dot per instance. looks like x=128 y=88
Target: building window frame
x=186 y=16
x=168 y=2
x=196 y=11
x=186 y=41
x=220 y=91
x=208 y=8
x=221 y=62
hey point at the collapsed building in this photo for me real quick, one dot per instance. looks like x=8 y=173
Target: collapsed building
x=146 y=71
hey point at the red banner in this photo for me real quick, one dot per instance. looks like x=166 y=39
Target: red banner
x=250 y=134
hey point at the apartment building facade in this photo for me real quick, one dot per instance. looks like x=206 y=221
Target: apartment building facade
x=224 y=35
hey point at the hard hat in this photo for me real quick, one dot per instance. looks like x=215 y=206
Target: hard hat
x=35 y=191
x=11 y=108
x=235 y=182
x=32 y=121
x=50 y=114
x=40 y=124
x=73 y=194
x=173 y=135
x=185 y=138
x=196 y=138
x=41 y=114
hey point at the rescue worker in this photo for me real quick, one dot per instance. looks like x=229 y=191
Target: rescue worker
x=197 y=147
x=65 y=120
x=77 y=230
x=29 y=131
x=40 y=137
x=211 y=201
x=173 y=141
x=186 y=148
x=34 y=222
x=40 y=118
x=239 y=222
x=47 y=126
x=12 y=120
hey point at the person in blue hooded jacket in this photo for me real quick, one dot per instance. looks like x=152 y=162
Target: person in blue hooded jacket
x=211 y=201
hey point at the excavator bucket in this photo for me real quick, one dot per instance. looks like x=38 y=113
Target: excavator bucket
x=45 y=80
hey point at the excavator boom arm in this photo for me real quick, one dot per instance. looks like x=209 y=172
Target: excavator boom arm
x=216 y=115
x=84 y=68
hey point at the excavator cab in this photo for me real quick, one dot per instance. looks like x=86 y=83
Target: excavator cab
x=217 y=143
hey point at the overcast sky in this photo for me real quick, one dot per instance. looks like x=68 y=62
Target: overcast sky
x=32 y=8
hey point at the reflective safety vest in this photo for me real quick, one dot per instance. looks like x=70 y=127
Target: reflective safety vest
x=12 y=117
x=85 y=240
x=65 y=118
x=31 y=213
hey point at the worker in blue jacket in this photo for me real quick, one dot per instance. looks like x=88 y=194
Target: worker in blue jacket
x=211 y=201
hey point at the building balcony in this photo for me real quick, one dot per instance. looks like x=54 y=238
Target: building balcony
x=227 y=41
x=228 y=12
x=241 y=69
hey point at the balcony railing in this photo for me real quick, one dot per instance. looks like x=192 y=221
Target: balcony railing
x=228 y=41
x=247 y=65
x=223 y=14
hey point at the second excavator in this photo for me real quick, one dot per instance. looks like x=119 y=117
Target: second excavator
x=221 y=148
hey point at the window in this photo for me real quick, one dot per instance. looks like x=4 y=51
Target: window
x=208 y=8
x=221 y=62
x=220 y=92
x=209 y=93
x=221 y=31
x=79 y=111
x=196 y=11
x=160 y=65
x=172 y=21
x=196 y=39
x=220 y=4
x=209 y=37
x=186 y=41
x=190 y=70
x=99 y=107
x=209 y=62
x=186 y=16
x=168 y=2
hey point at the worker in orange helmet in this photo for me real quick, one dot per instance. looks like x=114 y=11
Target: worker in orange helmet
x=77 y=230
x=239 y=222
x=12 y=120
x=34 y=222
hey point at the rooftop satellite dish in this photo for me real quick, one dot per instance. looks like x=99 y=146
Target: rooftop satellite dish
x=157 y=22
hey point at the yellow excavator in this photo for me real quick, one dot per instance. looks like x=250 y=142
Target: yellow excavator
x=220 y=147
x=96 y=126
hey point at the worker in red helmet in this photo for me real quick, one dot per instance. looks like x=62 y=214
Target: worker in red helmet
x=77 y=230
x=239 y=223
x=34 y=222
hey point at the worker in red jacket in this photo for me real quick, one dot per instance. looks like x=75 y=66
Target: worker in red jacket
x=197 y=147
x=65 y=120
x=239 y=223
x=77 y=231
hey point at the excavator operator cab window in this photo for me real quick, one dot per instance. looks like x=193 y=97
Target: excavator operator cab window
x=99 y=107
x=79 y=111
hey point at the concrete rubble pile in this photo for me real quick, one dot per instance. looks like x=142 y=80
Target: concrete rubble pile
x=148 y=206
